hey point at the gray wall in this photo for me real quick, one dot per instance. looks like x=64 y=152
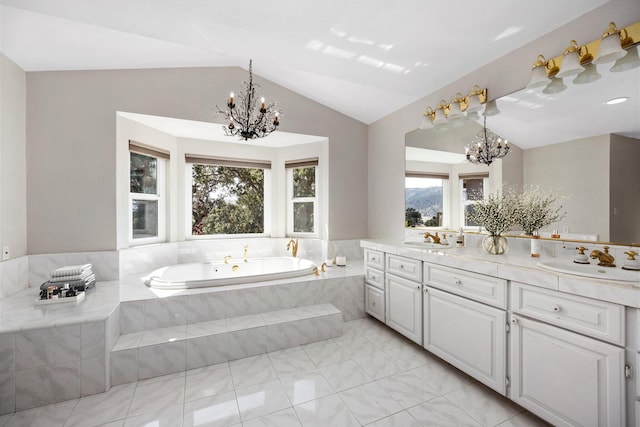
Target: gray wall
x=578 y=169
x=13 y=178
x=625 y=189
x=503 y=76
x=71 y=135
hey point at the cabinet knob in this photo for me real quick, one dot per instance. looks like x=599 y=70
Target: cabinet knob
x=402 y=266
x=555 y=308
x=457 y=281
x=514 y=320
x=418 y=286
x=373 y=303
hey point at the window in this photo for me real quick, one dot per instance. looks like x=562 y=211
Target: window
x=425 y=196
x=472 y=188
x=227 y=196
x=146 y=194
x=303 y=200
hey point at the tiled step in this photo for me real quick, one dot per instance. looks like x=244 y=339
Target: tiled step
x=157 y=352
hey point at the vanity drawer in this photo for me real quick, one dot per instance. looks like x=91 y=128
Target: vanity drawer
x=374 y=302
x=408 y=268
x=374 y=277
x=599 y=319
x=478 y=287
x=374 y=259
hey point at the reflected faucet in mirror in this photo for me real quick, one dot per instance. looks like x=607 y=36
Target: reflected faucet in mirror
x=434 y=238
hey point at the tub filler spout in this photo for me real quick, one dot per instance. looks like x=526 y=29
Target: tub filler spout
x=293 y=246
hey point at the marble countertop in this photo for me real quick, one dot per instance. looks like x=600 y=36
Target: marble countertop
x=517 y=266
x=18 y=312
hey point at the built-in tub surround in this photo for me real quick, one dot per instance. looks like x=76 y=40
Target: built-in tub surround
x=230 y=272
x=55 y=353
x=13 y=276
x=51 y=354
x=143 y=259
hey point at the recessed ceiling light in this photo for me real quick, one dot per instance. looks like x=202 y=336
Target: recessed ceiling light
x=617 y=100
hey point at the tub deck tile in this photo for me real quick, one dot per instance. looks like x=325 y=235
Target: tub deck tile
x=173 y=349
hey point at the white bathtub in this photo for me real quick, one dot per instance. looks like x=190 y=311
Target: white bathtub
x=205 y=274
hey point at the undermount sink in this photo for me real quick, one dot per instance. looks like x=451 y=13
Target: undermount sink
x=427 y=245
x=591 y=270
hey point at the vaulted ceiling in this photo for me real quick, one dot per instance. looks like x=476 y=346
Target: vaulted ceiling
x=364 y=58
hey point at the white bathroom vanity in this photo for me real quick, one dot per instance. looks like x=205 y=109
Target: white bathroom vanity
x=565 y=347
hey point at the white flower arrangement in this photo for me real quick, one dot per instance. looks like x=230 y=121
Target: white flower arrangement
x=537 y=209
x=497 y=212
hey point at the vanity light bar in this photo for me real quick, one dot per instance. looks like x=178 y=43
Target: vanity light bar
x=629 y=37
x=470 y=103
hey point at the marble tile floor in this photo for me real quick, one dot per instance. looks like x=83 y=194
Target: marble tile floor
x=369 y=376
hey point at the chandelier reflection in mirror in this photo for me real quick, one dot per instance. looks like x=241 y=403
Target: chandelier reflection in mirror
x=244 y=118
x=486 y=147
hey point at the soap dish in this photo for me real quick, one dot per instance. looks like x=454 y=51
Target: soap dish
x=77 y=299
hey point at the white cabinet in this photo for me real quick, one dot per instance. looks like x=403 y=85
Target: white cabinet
x=374 y=259
x=374 y=277
x=407 y=268
x=467 y=334
x=566 y=378
x=374 y=290
x=599 y=319
x=374 y=302
x=404 y=306
x=478 y=287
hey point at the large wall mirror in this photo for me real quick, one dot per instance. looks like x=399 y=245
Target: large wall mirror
x=573 y=142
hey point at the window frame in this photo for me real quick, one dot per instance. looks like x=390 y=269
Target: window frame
x=196 y=159
x=160 y=196
x=291 y=200
x=446 y=192
x=463 y=203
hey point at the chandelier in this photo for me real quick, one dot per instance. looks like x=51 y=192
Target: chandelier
x=244 y=118
x=486 y=147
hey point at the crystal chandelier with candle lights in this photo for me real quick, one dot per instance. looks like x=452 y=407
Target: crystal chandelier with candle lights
x=486 y=147
x=244 y=118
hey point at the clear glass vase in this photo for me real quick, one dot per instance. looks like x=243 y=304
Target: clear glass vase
x=495 y=244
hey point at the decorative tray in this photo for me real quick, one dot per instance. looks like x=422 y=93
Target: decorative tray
x=77 y=299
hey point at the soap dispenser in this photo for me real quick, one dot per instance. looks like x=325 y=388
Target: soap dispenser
x=631 y=263
x=581 y=257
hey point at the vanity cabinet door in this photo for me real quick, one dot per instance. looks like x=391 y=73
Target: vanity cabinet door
x=566 y=378
x=374 y=302
x=467 y=334
x=404 y=307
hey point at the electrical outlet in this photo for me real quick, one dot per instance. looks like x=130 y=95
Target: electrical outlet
x=5 y=253
x=565 y=229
